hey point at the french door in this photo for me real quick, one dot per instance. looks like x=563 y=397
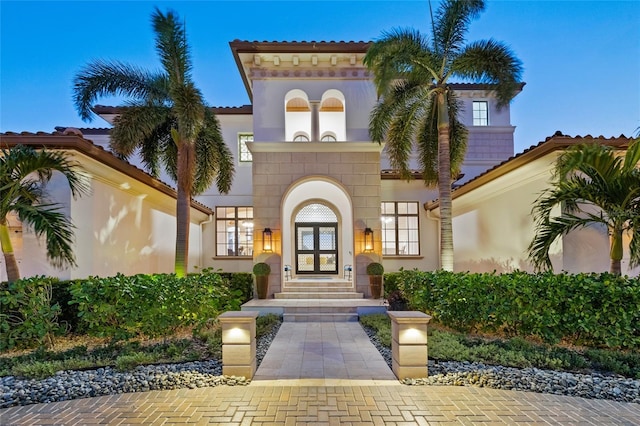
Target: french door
x=316 y=248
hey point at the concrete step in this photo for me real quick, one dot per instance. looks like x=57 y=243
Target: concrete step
x=319 y=317
x=318 y=295
x=326 y=309
x=301 y=289
x=328 y=284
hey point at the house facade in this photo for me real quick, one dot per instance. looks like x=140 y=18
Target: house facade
x=312 y=195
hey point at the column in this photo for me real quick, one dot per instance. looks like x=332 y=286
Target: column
x=409 y=344
x=239 y=343
x=315 y=121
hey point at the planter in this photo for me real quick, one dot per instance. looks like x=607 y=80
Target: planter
x=375 y=286
x=262 y=285
x=262 y=270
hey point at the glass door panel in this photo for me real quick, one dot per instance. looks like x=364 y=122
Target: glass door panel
x=316 y=248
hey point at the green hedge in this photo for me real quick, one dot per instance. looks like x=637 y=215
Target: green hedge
x=28 y=316
x=34 y=310
x=598 y=310
x=121 y=307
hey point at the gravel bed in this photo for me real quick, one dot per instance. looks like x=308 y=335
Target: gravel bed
x=595 y=385
x=66 y=385
x=70 y=384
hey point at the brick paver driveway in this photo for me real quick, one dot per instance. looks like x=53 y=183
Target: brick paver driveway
x=327 y=405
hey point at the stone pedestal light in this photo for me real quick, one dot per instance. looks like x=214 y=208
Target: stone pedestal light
x=238 y=343
x=409 y=344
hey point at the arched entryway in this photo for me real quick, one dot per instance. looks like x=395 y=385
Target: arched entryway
x=317 y=228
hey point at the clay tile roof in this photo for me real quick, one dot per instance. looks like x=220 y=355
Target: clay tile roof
x=243 y=109
x=298 y=46
x=72 y=139
x=556 y=142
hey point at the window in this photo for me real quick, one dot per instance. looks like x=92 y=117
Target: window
x=480 y=113
x=234 y=231
x=301 y=138
x=400 y=231
x=245 y=154
x=328 y=138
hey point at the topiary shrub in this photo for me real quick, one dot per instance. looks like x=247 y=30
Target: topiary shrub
x=375 y=269
x=261 y=269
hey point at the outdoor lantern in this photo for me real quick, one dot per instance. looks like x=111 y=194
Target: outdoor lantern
x=267 y=240
x=368 y=240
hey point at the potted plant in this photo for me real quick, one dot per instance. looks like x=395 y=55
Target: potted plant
x=262 y=270
x=375 y=271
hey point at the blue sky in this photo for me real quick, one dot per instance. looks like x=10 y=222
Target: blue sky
x=581 y=58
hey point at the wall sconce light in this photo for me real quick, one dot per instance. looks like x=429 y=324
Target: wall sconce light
x=368 y=240
x=267 y=240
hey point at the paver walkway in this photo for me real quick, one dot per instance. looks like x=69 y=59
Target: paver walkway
x=323 y=353
x=287 y=391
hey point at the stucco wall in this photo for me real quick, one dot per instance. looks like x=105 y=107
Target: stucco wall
x=121 y=226
x=268 y=105
x=493 y=227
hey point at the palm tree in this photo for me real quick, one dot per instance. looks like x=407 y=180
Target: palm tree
x=166 y=120
x=589 y=176
x=418 y=106
x=24 y=173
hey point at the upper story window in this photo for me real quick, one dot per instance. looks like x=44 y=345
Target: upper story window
x=480 y=113
x=315 y=118
x=301 y=138
x=297 y=115
x=332 y=116
x=328 y=138
x=234 y=231
x=400 y=231
x=245 y=154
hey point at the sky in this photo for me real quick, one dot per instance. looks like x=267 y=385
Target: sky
x=581 y=58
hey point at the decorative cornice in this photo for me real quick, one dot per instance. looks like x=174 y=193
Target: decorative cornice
x=316 y=73
x=314 y=147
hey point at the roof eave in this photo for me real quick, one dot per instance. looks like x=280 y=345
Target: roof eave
x=70 y=140
x=554 y=143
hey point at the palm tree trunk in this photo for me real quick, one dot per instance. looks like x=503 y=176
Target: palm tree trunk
x=13 y=273
x=186 y=159
x=616 y=252
x=444 y=184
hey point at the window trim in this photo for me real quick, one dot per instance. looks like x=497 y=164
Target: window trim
x=480 y=119
x=237 y=223
x=395 y=216
x=242 y=142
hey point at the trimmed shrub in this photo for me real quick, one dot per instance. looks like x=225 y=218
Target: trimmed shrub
x=598 y=310
x=27 y=316
x=122 y=307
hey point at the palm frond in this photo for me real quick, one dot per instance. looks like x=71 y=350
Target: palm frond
x=632 y=157
x=137 y=122
x=634 y=243
x=396 y=120
x=452 y=23
x=396 y=55
x=50 y=221
x=113 y=78
x=491 y=62
x=214 y=159
x=189 y=111
x=172 y=47
x=547 y=232
x=428 y=141
x=153 y=149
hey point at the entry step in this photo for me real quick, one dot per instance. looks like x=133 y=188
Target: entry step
x=318 y=295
